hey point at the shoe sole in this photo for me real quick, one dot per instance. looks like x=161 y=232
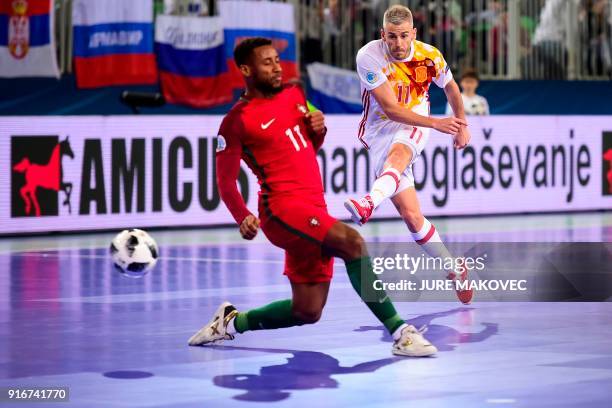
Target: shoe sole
x=350 y=207
x=414 y=354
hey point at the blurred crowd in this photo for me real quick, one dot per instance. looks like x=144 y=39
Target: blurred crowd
x=545 y=39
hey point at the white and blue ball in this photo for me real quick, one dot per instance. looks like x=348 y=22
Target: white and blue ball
x=134 y=253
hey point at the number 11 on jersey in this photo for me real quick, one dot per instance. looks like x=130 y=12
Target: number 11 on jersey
x=403 y=93
x=289 y=133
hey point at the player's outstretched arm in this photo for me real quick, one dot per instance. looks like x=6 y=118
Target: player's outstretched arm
x=453 y=95
x=387 y=100
x=228 y=168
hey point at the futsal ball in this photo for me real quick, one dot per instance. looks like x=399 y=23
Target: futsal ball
x=134 y=253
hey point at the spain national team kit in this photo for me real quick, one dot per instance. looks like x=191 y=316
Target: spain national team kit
x=410 y=80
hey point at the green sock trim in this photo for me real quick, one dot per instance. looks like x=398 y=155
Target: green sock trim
x=241 y=322
x=362 y=277
x=393 y=323
x=275 y=315
x=355 y=264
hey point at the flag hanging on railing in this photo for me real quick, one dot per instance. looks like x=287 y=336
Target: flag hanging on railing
x=276 y=21
x=27 y=46
x=191 y=58
x=113 y=42
x=334 y=90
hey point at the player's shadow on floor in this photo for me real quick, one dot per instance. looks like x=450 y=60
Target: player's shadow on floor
x=445 y=338
x=304 y=370
x=307 y=370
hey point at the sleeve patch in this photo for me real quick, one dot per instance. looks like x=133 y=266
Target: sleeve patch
x=221 y=143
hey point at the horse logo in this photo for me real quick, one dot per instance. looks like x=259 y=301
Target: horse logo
x=40 y=179
x=607 y=156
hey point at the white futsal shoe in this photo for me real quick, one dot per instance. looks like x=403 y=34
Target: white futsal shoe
x=413 y=344
x=216 y=329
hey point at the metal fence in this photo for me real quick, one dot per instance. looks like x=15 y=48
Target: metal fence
x=501 y=39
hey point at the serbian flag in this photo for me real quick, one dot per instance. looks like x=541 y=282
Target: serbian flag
x=113 y=42
x=243 y=19
x=27 y=47
x=191 y=59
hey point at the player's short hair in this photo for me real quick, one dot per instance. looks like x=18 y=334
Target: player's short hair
x=244 y=50
x=470 y=73
x=397 y=15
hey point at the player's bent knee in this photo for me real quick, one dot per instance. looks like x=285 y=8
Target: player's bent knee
x=357 y=243
x=413 y=219
x=308 y=315
x=399 y=155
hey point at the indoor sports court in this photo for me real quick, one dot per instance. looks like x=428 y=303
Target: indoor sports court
x=122 y=342
x=405 y=203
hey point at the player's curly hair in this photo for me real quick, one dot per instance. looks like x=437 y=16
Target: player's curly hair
x=244 y=50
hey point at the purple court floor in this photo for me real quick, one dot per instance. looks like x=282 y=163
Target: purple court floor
x=67 y=319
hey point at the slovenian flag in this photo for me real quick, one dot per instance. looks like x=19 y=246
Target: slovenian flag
x=27 y=47
x=113 y=42
x=276 y=21
x=191 y=59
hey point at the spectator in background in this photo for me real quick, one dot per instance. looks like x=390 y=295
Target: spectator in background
x=331 y=29
x=473 y=103
x=596 y=19
x=311 y=27
x=550 y=38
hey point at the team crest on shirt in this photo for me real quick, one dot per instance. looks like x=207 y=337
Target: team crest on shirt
x=371 y=77
x=420 y=74
x=221 y=143
x=302 y=108
x=314 y=222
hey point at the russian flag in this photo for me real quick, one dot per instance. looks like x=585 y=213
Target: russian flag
x=113 y=42
x=334 y=90
x=191 y=58
x=27 y=46
x=276 y=21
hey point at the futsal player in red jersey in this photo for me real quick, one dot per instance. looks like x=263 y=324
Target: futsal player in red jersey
x=271 y=129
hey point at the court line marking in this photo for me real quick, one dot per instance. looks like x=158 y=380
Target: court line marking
x=163 y=258
x=455 y=228
x=500 y=400
x=182 y=294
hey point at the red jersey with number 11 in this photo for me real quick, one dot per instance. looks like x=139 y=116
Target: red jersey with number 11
x=271 y=136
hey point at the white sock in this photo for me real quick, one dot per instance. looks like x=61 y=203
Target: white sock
x=398 y=332
x=429 y=239
x=385 y=185
x=231 y=329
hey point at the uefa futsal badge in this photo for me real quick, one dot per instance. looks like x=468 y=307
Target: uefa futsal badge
x=314 y=222
x=371 y=77
x=221 y=144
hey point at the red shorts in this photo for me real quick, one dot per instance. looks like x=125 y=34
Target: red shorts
x=299 y=228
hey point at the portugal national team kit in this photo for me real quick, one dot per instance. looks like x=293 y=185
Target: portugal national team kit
x=271 y=136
